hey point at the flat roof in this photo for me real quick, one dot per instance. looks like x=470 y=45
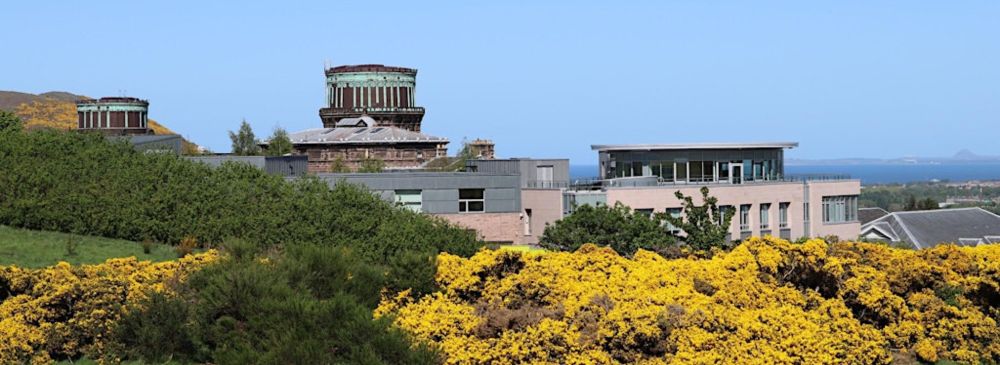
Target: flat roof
x=691 y=146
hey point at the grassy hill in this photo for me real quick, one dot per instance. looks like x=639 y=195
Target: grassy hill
x=28 y=248
x=54 y=109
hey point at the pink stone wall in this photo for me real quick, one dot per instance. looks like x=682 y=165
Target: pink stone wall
x=546 y=207
x=660 y=198
x=492 y=227
x=819 y=189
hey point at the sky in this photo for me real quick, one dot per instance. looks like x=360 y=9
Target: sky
x=878 y=79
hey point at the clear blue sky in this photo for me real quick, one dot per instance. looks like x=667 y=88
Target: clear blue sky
x=843 y=78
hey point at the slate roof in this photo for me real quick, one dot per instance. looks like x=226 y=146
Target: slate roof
x=361 y=135
x=928 y=228
x=866 y=215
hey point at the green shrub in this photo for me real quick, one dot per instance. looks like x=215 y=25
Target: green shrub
x=310 y=304
x=618 y=227
x=80 y=183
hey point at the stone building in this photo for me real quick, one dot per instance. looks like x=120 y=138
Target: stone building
x=383 y=93
x=370 y=113
x=113 y=115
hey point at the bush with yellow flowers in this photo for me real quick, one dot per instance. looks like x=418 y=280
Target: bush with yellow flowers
x=766 y=301
x=66 y=311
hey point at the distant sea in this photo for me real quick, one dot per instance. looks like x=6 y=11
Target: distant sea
x=872 y=174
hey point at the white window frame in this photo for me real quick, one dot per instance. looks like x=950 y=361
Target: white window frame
x=765 y=216
x=463 y=203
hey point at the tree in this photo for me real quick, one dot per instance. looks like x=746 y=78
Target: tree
x=928 y=204
x=701 y=223
x=244 y=141
x=339 y=166
x=9 y=121
x=618 y=227
x=911 y=203
x=279 y=144
x=372 y=165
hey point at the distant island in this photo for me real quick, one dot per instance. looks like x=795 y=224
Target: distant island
x=961 y=157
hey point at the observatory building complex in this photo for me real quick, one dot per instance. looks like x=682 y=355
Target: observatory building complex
x=370 y=113
x=113 y=115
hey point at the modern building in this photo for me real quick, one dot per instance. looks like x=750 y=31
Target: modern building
x=150 y=143
x=275 y=165
x=489 y=203
x=747 y=178
x=370 y=114
x=542 y=182
x=113 y=115
x=929 y=228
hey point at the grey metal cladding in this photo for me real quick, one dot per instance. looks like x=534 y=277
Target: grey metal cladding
x=502 y=200
x=440 y=201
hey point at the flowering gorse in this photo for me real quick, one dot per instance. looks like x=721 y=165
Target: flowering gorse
x=766 y=301
x=66 y=311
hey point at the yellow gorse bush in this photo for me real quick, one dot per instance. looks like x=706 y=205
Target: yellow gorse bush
x=66 y=311
x=767 y=301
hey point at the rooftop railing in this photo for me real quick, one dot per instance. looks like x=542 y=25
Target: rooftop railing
x=645 y=181
x=546 y=184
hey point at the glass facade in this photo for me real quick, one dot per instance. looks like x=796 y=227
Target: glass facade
x=696 y=166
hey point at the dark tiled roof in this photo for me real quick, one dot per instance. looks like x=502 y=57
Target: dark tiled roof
x=928 y=228
x=866 y=215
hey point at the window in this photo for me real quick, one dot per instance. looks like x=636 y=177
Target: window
x=676 y=213
x=682 y=171
x=471 y=200
x=724 y=211
x=783 y=215
x=544 y=176
x=745 y=218
x=765 y=216
x=723 y=171
x=646 y=212
x=839 y=209
x=409 y=199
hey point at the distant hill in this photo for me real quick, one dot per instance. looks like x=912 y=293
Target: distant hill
x=53 y=109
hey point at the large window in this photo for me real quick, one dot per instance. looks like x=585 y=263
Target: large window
x=783 y=215
x=724 y=211
x=745 y=218
x=676 y=213
x=471 y=200
x=838 y=209
x=409 y=199
x=682 y=171
x=765 y=216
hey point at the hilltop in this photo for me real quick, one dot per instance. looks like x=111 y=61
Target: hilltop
x=53 y=109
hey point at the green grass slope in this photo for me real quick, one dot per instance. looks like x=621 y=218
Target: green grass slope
x=27 y=248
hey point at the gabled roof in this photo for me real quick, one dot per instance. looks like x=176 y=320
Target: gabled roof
x=361 y=135
x=866 y=215
x=362 y=121
x=928 y=228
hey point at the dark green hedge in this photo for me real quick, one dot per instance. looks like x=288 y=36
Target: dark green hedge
x=80 y=183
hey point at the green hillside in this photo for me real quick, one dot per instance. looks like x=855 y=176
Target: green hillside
x=28 y=248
